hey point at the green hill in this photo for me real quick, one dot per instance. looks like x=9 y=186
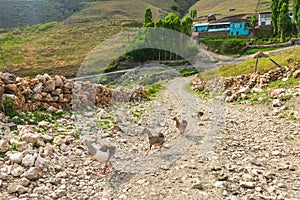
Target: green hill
x=61 y=47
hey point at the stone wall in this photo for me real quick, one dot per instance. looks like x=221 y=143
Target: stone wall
x=45 y=92
x=238 y=87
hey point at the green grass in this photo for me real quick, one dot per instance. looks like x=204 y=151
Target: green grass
x=247 y=67
x=61 y=47
x=153 y=90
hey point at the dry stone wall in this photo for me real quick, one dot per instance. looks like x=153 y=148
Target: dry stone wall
x=238 y=87
x=46 y=92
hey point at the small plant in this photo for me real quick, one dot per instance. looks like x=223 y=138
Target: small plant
x=9 y=107
x=153 y=89
x=188 y=71
x=174 y=7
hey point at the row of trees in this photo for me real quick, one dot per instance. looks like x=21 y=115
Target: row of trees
x=165 y=39
x=281 y=20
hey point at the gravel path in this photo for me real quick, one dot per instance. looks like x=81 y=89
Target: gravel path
x=231 y=152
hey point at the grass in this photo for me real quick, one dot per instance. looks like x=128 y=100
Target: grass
x=153 y=90
x=221 y=7
x=247 y=67
x=61 y=47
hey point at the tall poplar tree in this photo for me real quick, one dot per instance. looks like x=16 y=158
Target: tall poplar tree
x=284 y=21
x=274 y=15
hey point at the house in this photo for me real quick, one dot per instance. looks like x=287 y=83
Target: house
x=230 y=28
x=264 y=19
x=238 y=28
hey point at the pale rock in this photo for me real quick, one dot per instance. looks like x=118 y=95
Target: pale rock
x=37 y=89
x=8 y=78
x=247 y=184
x=276 y=103
x=232 y=98
x=28 y=160
x=37 y=97
x=296 y=74
x=219 y=183
x=14 y=187
x=16 y=157
x=41 y=162
x=17 y=170
x=257 y=90
x=48 y=151
x=244 y=90
x=61 y=175
x=52 y=109
x=40 y=190
x=24 y=182
x=4 y=176
x=198 y=185
x=49 y=86
x=142 y=182
x=4 y=146
x=276 y=153
x=60 y=193
x=32 y=173
x=247 y=177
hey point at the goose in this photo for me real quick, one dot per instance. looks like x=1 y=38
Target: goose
x=157 y=140
x=181 y=125
x=101 y=153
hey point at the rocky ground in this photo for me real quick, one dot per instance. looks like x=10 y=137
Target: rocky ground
x=234 y=151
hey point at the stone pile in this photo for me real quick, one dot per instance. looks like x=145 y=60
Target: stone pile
x=46 y=92
x=238 y=87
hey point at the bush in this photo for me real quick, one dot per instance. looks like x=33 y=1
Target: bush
x=174 y=7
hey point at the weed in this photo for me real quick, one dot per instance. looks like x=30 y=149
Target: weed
x=153 y=89
x=8 y=106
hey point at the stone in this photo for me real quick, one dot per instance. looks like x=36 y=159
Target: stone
x=14 y=187
x=17 y=170
x=276 y=103
x=4 y=176
x=41 y=162
x=257 y=90
x=28 y=160
x=198 y=185
x=247 y=184
x=24 y=182
x=232 y=98
x=60 y=193
x=8 y=78
x=4 y=146
x=296 y=73
x=49 y=86
x=32 y=173
x=16 y=157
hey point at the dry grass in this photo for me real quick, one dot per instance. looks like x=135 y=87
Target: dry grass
x=221 y=7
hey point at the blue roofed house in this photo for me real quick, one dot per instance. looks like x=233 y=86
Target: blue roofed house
x=238 y=28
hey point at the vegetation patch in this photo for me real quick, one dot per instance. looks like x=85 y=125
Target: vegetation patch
x=153 y=89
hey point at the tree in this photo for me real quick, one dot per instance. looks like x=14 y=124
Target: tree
x=187 y=25
x=253 y=21
x=296 y=6
x=148 y=17
x=274 y=15
x=284 y=21
x=298 y=22
x=193 y=14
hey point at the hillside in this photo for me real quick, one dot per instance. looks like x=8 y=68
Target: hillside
x=223 y=8
x=61 y=47
x=20 y=13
